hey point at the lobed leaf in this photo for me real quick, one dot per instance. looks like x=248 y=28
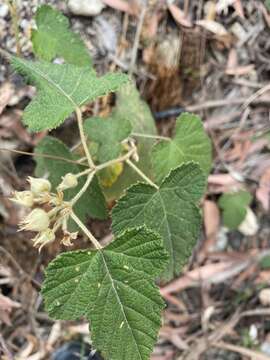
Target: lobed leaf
x=61 y=89
x=234 y=206
x=108 y=133
x=93 y=203
x=130 y=106
x=114 y=288
x=54 y=39
x=171 y=211
x=190 y=143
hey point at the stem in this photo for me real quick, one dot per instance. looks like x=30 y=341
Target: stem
x=151 y=136
x=138 y=171
x=47 y=156
x=15 y=21
x=86 y=231
x=83 y=138
x=114 y=161
x=107 y=164
x=84 y=188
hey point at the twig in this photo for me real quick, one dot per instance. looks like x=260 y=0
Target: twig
x=47 y=156
x=137 y=41
x=138 y=171
x=86 y=231
x=241 y=350
x=255 y=96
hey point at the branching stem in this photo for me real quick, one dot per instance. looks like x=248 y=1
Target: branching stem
x=83 y=189
x=138 y=171
x=86 y=231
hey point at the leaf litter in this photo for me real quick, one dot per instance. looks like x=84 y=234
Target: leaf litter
x=231 y=74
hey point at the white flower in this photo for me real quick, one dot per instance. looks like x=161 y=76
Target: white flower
x=68 y=181
x=68 y=237
x=45 y=237
x=38 y=220
x=24 y=198
x=38 y=185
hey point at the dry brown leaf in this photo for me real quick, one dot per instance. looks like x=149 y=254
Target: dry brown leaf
x=240 y=70
x=211 y=218
x=206 y=275
x=238 y=7
x=213 y=26
x=263 y=191
x=131 y=7
x=6 y=93
x=179 y=15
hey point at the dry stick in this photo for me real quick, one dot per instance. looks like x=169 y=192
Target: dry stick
x=138 y=171
x=137 y=41
x=255 y=96
x=47 y=156
x=241 y=350
x=86 y=231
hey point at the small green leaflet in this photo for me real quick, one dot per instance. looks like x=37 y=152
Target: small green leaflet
x=114 y=289
x=130 y=106
x=61 y=89
x=171 y=211
x=108 y=133
x=234 y=206
x=93 y=202
x=190 y=143
x=54 y=39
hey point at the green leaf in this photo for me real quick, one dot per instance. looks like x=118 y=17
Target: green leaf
x=114 y=289
x=61 y=89
x=190 y=143
x=130 y=106
x=171 y=211
x=265 y=262
x=108 y=133
x=92 y=203
x=54 y=39
x=234 y=206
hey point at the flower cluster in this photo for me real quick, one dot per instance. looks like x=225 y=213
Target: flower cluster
x=49 y=210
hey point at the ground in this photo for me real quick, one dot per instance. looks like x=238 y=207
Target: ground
x=206 y=57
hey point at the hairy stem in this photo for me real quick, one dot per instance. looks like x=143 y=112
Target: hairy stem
x=86 y=231
x=108 y=163
x=83 y=138
x=138 y=171
x=46 y=156
x=83 y=189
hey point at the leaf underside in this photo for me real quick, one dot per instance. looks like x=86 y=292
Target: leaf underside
x=108 y=133
x=130 y=106
x=114 y=289
x=171 y=211
x=234 y=206
x=61 y=89
x=53 y=38
x=190 y=143
x=93 y=203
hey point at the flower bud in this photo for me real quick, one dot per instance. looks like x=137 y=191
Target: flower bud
x=43 y=238
x=38 y=220
x=68 y=181
x=39 y=185
x=24 y=198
